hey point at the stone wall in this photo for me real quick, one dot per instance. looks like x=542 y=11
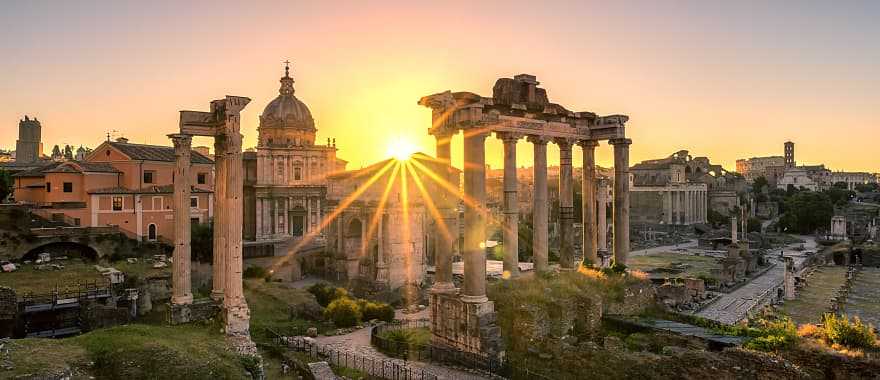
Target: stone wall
x=199 y=310
x=468 y=327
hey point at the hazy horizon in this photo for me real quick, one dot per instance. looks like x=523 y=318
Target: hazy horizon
x=723 y=80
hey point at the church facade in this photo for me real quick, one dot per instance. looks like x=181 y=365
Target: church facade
x=286 y=177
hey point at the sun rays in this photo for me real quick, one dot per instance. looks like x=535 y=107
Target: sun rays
x=406 y=181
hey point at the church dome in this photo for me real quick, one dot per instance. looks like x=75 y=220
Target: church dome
x=286 y=111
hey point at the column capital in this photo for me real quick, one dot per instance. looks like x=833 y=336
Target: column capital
x=620 y=141
x=441 y=133
x=538 y=139
x=508 y=137
x=476 y=133
x=564 y=142
x=588 y=143
x=180 y=140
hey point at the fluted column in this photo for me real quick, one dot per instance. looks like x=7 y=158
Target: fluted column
x=566 y=205
x=237 y=311
x=474 y=290
x=511 y=205
x=539 y=206
x=218 y=268
x=621 y=199
x=588 y=202
x=443 y=251
x=182 y=285
x=602 y=218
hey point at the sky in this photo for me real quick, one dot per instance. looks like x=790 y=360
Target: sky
x=721 y=79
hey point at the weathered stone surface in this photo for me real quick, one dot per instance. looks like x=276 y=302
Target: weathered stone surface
x=199 y=310
x=613 y=343
x=322 y=371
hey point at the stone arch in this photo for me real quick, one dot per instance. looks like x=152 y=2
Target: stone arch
x=70 y=249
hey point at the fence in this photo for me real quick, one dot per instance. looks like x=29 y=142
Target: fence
x=373 y=367
x=440 y=354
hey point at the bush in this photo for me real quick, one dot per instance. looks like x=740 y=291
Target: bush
x=376 y=310
x=771 y=335
x=344 y=312
x=325 y=294
x=855 y=334
x=255 y=272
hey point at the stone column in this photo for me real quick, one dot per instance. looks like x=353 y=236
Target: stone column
x=382 y=268
x=566 y=205
x=588 y=202
x=237 y=311
x=218 y=268
x=621 y=199
x=602 y=226
x=511 y=205
x=688 y=206
x=540 y=218
x=474 y=289
x=182 y=286
x=444 y=250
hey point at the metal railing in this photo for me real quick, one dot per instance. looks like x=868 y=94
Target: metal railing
x=442 y=354
x=373 y=367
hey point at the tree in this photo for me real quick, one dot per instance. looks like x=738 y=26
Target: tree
x=807 y=211
x=867 y=187
x=202 y=237
x=760 y=184
x=716 y=218
x=5 y=184
x=839 y=196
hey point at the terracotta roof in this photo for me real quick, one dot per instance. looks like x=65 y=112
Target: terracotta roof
x=82 y=167
x=38 y=171
x=155 y=152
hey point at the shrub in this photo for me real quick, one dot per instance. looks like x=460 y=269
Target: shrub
x=770 y=335
x=254 y=272
x=855 y=334
x=325 y=294
x=810 y=330
x=344 y=312
x=377 y=310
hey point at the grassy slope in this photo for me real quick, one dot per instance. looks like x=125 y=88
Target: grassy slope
x=813 y=300
x=133 y=352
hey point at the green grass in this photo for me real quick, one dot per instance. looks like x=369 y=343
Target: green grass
x=812 y=301
x=696 y=266
x=137 y=351
x=29 y=280
x=269 y=303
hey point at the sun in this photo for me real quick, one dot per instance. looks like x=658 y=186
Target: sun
x=401 y=149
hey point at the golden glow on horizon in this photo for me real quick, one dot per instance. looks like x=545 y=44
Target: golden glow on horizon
x=401 y=149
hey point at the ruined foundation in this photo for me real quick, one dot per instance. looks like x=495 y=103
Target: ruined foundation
x=464 y=326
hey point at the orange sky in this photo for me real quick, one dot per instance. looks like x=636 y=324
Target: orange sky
x=727 y=81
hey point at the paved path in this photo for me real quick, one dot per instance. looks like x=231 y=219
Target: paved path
x=666 y=248
x=359 y=342
x=735 y=306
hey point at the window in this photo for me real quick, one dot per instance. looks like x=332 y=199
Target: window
x=117 y=203
x=151 y=232
x=68 y=187
x=194 y=221
x=48 y=187
x=201 y=178
x=297 y=173
x=148 y=176
x=194 y=202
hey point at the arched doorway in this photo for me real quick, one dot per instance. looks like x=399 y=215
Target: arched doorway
x=152 y=234
x=63 y=248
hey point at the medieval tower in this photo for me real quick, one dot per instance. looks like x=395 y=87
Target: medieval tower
x=28 y=147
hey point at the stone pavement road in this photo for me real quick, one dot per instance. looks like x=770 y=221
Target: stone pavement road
x=359 y=342
x=735 y=306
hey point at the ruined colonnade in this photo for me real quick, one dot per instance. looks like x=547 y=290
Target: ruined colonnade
x=687 y=204
x=223 y=124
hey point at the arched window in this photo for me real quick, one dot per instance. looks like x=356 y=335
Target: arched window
x=151 y=232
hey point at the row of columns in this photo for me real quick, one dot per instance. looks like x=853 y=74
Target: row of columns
x=474 y=289
x=686 y=206
x=227 y=246
x=273 y=216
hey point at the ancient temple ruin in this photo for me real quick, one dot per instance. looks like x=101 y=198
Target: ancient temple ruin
x=224 y=125
x=517 y=109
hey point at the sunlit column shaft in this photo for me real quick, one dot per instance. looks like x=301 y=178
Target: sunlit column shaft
x=539 y=207
x=443 y=250
x=475 y=218
x=621 y=199
x=182 y=286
